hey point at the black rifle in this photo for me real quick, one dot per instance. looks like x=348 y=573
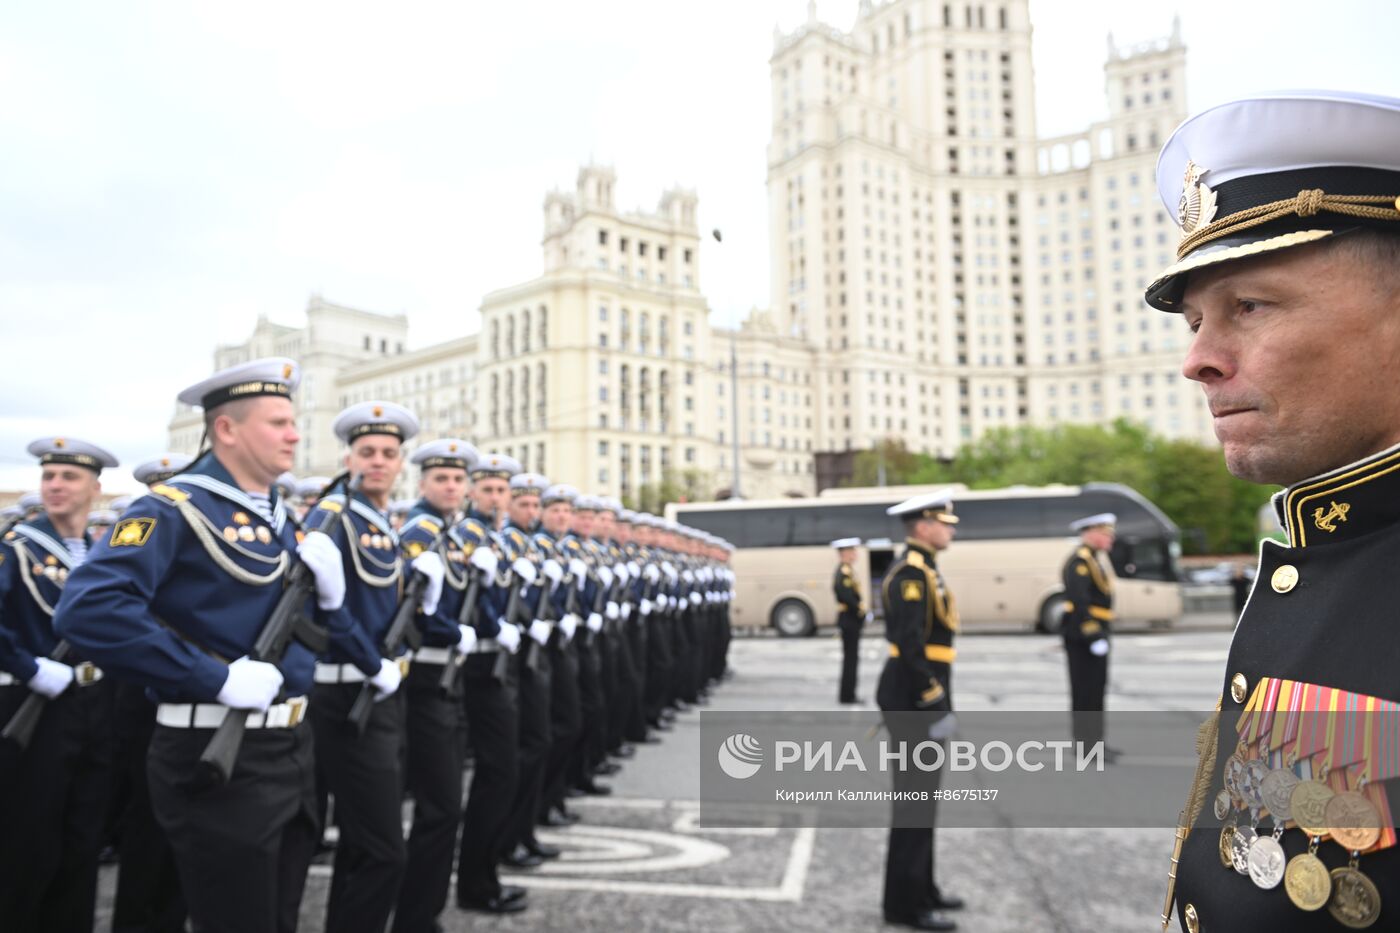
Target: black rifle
x=288 y=623
x=20 y=728
x=402 y=628
x=447 y=683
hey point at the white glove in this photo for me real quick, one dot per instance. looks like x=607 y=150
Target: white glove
x=595 y=622
x=687 y=576
x=695 y=599
x=869 y=617
x=319 y=553
x=485 y=560
x=553 y=571
x=644 y=607
x=652 y=573
x=670 y=573
x=524 y=570
x=611 y=610
x=253 y=684
x=578 y=568
x=944 y=729
x=509 y=637
x=387 y=680
x=620 y=571
x=569 y=625
x=633 y=569
x=1099 y=647
x=539 y=631
x=605 y=576
x=53 y=677
x=626 y=611
x=429 y=564
x=466 y=640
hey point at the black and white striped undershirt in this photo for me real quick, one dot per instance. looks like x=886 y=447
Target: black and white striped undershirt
x=262 y=504
x=78 y=547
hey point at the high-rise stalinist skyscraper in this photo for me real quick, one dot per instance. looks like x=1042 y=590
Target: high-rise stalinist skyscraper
x=953 y=271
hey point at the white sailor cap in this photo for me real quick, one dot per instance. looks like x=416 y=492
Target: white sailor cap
x=937 y=505
x=286 y=484
x=1265 y=173
x=1094 y=521
x=401 y=506
x=368 y=418
x=161 y=468
x=30 y=501
x=559 y=492
x=609 y=504
x=445 y=452
x=842 y=543
x=121 y=503
x=583 y=503
x=106 y=517
x=10 y=513
x=71 y=451
x=275 y=376
x=626 y=516
x=494 y=465
x=671 y=525
x=310 y=487
x=528 y=484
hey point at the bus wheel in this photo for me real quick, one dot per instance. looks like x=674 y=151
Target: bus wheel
x=792 y=618
x=1051 y=611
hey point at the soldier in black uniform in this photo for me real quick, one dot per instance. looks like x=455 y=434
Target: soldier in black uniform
x=1088 y=612
x=1288 y=277
x=850 y=617
x=52 y=793
x=921 y=618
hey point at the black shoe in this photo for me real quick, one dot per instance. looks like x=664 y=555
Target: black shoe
x=594 y=789
x=924 y=920
x=573 y=793
x=543 y=850
x=521 y=857
x=559 y=818
x=648 y=740
x=623 y=751
x=948 y=902
x=607 y=768
x=499 y=904
x=512 y=892
x=855 y=700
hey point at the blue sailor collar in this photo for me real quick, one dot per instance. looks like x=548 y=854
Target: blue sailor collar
x=1344 y=503
x=209 y=474
x=41 y=532
x=362 y=507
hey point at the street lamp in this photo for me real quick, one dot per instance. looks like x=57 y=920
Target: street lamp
x=734 y=492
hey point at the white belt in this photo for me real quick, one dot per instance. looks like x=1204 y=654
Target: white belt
x=7 y=680
x=486 y=646
x=338 y=674
x=283 y=715
x=84 y=675
x=431 y=655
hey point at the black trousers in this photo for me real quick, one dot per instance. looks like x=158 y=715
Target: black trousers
x=610 y=682
x=242 y=849
x=53 y=798
x=635 y=724
x=565 y=720
x=148 y=883
x=909 y=861
x=850 y=655
x=659 y=683
x=1088 y=680
x=536 y=738
x=493 y=717
x=365 y=776
x=433 y=776
x=593 y=707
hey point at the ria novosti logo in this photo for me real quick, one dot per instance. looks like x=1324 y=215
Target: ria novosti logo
x=740 y=756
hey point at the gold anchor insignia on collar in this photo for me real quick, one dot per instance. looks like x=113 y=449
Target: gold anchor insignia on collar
x=1327 y=521
x=1197 y=205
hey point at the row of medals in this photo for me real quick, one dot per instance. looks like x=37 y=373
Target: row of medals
x=1349 y=818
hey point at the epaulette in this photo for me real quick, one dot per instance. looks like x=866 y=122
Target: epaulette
x=914 y=558
x=170 y=493
x=1084 y=552
x=429 y=524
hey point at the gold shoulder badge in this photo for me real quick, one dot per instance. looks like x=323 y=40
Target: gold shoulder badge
x=170 y=493
x=1081 y=570
x=132 y=532
x=432 y=526
x=914 y=558
x=415 y=548
x=911 y=590
x=1327 y=519
x=1197 y=205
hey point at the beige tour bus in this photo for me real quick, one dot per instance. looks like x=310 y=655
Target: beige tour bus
x=1004 y=566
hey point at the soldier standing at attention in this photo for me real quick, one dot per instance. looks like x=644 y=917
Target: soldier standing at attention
x=921 y=618
x=52 y=793
x=1084 y=626
x=850 y=617
x=363 y=771
x=175 y=601
x=1288 y=277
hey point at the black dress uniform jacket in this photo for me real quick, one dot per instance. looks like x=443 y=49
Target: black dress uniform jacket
x=1323 y=611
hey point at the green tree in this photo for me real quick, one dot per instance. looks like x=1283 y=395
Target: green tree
x=683 y=486
x=900 y=465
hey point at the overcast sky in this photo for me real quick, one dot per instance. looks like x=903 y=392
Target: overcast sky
x=169 y=171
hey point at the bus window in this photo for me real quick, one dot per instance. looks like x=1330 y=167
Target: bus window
x=989 y=519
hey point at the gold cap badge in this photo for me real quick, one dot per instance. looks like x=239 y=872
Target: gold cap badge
x=1197 y=205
